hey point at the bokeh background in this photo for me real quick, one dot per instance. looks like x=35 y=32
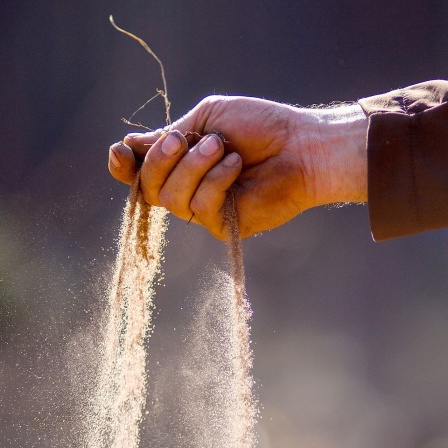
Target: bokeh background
x=350 y=336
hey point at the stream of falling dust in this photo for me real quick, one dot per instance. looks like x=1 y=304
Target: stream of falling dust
x=117 y=404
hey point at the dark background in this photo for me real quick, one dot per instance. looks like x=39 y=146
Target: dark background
x=350 y=336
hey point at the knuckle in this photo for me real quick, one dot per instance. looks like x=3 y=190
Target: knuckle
x=213 y=176
x=152 y=172
x=211 y=102
x=150 y=195
x=213 y=99
x=147 y=197
x=198 y=206
x=166 y=200
x=149 y=172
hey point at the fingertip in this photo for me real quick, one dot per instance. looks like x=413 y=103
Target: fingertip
x=114 y=158
x=132 y=137
x=232 y=160
x=119 y=153
x=180 y=136
x=122 y=163
x=141 y=143
x=210 y=145
x=173 y=146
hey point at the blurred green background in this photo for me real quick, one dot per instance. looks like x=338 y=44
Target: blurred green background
x=350 y=336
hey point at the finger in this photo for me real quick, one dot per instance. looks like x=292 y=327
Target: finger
x=160 y=160
x=208 y=201
x=181 y=185
x=192 y=125
x=122 y=163
x=140 y=143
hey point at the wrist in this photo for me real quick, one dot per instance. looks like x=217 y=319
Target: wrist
x=336 y=139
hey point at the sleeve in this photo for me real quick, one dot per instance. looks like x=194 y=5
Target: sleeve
x=407 y=151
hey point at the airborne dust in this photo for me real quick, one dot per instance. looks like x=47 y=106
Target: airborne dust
x=217 y=404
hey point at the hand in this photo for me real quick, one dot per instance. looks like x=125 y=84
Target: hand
x=281 y=159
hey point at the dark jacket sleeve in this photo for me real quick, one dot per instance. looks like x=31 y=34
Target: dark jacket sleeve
x=407 y=150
